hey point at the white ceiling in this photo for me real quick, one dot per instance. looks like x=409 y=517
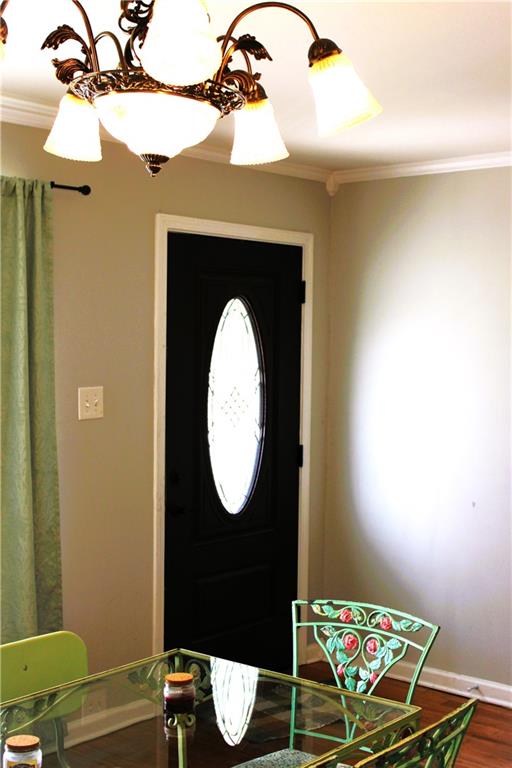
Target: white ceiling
x=442 y=72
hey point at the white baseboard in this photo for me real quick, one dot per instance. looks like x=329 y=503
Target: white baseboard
x=107 y=721
x=451 y=682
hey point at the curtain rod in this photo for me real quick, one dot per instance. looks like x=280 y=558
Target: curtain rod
x=84 y=190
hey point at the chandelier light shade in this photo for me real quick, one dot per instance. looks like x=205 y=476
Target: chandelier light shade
x=341 y=98
x=76 y=132
x=180 y=47
x=257 y=136
x=175 y=79
x=143 y=121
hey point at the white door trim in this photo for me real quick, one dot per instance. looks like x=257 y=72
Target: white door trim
x=168 y=223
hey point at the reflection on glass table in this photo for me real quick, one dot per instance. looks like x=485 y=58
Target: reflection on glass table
x=116 y=719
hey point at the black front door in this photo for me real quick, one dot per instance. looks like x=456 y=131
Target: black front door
x=232 y=447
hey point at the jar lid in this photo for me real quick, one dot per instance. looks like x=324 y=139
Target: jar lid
x=179 y=678
x=22 y=743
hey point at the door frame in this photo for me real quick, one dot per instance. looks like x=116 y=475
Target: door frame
x=165 y=223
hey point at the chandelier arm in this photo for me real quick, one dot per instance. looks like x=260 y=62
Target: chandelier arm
x=115 y=40
x=131 y=45
x=140 y=16
x=244 y=81
x=225 y=58
x=93 y=54
x=219 y=77
x=260 y=6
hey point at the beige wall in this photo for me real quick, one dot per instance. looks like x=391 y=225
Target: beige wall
x=104 y=269
x=416 y=467
x=418 y=487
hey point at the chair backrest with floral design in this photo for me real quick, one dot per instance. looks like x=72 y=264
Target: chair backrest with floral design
x=436 y=746
x=362 y=641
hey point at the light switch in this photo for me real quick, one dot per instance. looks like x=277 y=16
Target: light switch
x=90 y=403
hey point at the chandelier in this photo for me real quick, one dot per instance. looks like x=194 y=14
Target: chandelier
x=175 y=79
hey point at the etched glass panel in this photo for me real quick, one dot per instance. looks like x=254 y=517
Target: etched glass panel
x=235 y=406
x=234 y=695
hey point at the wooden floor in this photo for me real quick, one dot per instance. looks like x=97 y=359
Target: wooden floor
x=488 y=742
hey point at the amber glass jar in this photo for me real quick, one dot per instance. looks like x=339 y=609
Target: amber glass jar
x=179 y=693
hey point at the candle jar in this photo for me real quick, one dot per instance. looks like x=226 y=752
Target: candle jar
x=22 y=750
x=179 y=693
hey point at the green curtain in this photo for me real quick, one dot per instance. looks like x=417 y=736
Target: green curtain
x=31 y=586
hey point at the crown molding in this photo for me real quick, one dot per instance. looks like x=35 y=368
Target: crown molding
x=34 y=115
x=283 y=168
x=29 y=113
x=446 y=165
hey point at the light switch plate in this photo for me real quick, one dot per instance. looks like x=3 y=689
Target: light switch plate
x=90 y=403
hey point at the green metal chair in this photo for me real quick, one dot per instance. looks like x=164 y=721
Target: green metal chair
x=436 y=746
x=284 y=758
x=361 y=641
x=40 y=662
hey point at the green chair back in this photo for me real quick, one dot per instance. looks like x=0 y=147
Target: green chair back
x=436 y=746
x=43 y=661
x=361 y=641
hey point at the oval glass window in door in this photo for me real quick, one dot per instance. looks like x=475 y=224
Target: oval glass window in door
x=235 y=406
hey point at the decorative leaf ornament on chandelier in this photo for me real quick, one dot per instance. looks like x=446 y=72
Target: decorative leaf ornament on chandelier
x=175 y=79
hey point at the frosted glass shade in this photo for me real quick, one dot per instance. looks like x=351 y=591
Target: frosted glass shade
x=156 y=123
x=257 y=136
x=341 y=97
x=75 y=134
x=180 y=48
x=2 y=51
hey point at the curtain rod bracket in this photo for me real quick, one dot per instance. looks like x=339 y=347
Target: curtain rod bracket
x=84 y=189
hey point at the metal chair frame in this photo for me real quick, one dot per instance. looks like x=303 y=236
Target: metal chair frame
x=436 y=746
x=362 y=641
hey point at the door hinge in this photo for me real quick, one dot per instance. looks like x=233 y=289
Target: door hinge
x=300 y=456
x=303 y=292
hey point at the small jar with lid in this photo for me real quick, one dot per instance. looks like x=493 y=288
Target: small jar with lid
x=179 y=693
x=22 y=750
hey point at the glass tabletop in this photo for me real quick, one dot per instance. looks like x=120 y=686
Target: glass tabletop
x=116 y=719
